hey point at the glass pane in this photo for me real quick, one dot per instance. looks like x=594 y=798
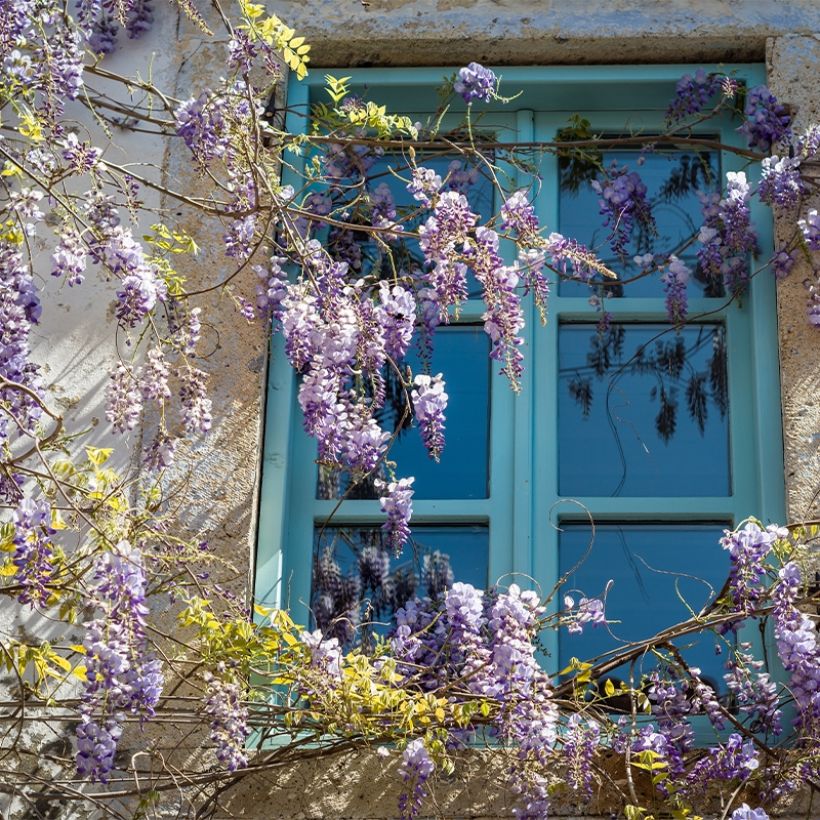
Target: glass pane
x=657 y=571
x=642 y=411
x=357 y=580
x=461 y=353
x=673 y=179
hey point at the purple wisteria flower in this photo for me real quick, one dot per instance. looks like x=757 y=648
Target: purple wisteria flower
x=475 y=82
x=397 y=503
x=727 y=236
x=69 y=259
x=196 y=406
x=325 y=653
x=590 y=611
x=798 y=649
x=693 y=93
x=781 y=185
x=20 y=310
x=675 y=281
x=442 y=238
x=429 y=405
x=33 y=550
x=748 y=549
x=624 y=205
x=396 y=315
x=424 y=185
x=416 y=768
x=504 y=318
x=228 y=722
x=745 y=812
x=767 y=121
x=124 y=404
x=122 y=675
x=810 y=227
x=580 y=744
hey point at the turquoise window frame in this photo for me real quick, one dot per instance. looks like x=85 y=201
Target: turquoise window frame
x=524 y=456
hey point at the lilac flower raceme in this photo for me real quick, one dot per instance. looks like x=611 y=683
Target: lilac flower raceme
x=624 y=205
x=475 y=82
x=748 y=549
x=416 y=768
x=736 y=760
x=590 y=611
x=429 y=404
x=767 y=121
x=578 y=751
x=781 y=185
x=228 y=722
x=34 y=551
x=69 y=259
x=799 y=650
x=693 y=93
x=424 y=185
x=442 y=239
x=504 y=318
x=745 y=812
x=153 y=377
x=727 y=236
x=20 y=310
x=325 y=654
x=674 y=282
x=810 y=226
x=397 y=503
x=124 y=405
x=196 y=406
x=755 y=694
x=396 y=314
x=122 y=675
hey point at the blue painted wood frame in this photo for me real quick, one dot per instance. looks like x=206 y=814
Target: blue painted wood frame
x=523 y=534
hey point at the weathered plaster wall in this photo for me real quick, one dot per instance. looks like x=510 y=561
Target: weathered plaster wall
x=520 y=32
x=794 y=63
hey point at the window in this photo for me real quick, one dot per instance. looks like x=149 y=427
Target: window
x=661 y=438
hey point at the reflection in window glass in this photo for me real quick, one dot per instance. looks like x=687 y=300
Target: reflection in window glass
x=642 y=411
x=658 y=572
x=674 y=179
x=357 y=580
x=461 y=353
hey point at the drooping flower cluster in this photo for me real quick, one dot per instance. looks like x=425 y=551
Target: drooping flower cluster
x=781 y=184
x=475 y=82
x=580 y=744
x=504 y=318
x=799 y=650
x=693 y=93
x=727 y=236
x=34 y=550
x=19 y=310
x=416 y=768
x=624 y=205
x=398 y=504
x=810 y=227
x=123 y=677
x=590 y=611
x=228 y=717
x=675 y=281
x=442 y=239
x=748 y=549
x=430 y=403
x=767 y=121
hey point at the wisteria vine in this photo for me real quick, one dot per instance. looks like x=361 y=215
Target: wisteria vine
x=355 y=268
